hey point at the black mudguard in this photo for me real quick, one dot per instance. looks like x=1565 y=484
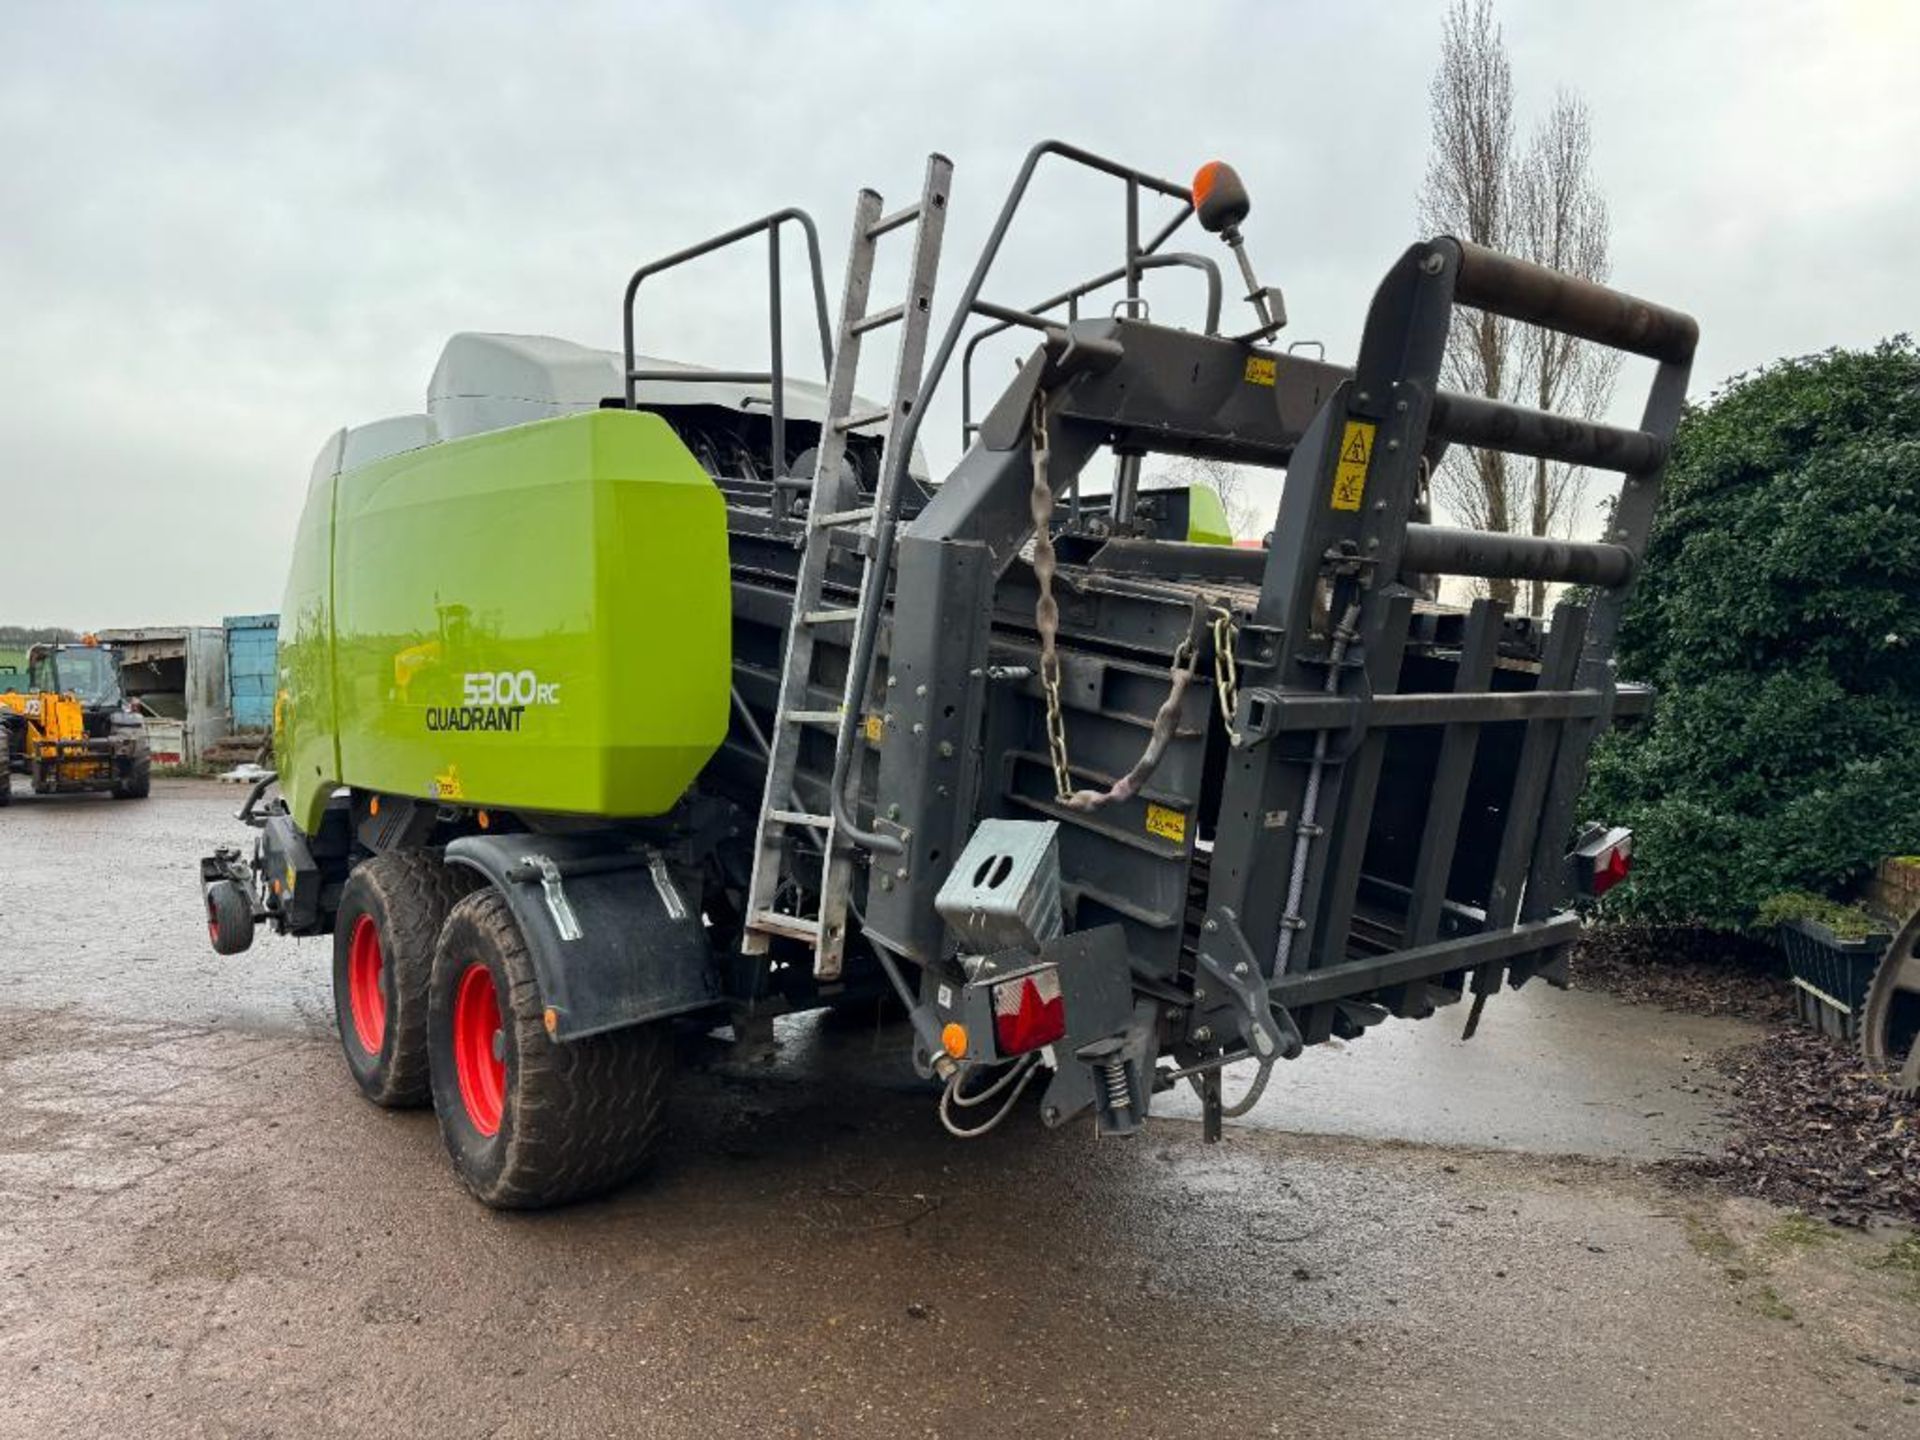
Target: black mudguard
x=615 y=939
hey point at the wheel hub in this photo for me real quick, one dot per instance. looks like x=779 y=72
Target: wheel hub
x=366 y=1000
x=479 y=1049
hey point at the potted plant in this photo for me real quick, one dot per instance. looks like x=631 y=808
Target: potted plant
x=1831 y=950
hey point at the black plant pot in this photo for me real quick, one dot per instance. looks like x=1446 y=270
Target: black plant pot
x=1830 y=974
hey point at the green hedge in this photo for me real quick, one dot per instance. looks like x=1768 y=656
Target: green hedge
x=1779 y=614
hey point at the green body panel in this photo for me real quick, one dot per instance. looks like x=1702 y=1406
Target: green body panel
x=536 y=618
x=1207 y=522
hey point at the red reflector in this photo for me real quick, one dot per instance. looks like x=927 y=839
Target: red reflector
x=1028 y=1012
x=1611 y=868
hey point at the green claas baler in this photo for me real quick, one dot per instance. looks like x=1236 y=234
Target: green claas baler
x=617 y=694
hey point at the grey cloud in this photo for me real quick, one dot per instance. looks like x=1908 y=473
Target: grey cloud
x=229 y=229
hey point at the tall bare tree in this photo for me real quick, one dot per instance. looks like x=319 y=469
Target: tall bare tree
x=1540 y=203
x=1560 y=221
x=1465 y=195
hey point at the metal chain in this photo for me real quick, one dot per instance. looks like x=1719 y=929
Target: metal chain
x=1046 y=619
x=1226 y=669
x=1046 y=611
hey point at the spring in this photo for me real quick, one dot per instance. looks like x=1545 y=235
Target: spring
x=1119 y=1093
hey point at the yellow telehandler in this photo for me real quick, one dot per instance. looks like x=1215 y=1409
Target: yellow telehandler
x=69 y=727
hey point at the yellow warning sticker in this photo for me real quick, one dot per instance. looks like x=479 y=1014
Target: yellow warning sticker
x=1166 y=823
x=1260 y=370
x=875 y=728
x=1350 y=474
x=447 y=786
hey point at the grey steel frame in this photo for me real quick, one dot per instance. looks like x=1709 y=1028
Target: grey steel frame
x=1365 y=939
x=1302 y=693
x=867 y=633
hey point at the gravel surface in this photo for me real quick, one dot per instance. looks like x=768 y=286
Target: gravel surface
x=204 y=1231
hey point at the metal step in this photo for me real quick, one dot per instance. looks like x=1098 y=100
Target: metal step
x=800 y=817
x=893 y=221
x=856 y=516
x=879 y=318
x=798 y=927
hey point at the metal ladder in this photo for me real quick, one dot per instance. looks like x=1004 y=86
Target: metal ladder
x=835 y=519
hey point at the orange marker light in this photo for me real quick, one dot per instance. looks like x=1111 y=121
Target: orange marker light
x=373 y=806
x=486 y=821
x=1220 y=200
x=953 y=1039
x=1203 y=179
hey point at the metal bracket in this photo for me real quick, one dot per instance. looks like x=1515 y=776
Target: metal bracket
x=1258 y=719
x=1269 y=1032
x=662 y=883
x=565 y=923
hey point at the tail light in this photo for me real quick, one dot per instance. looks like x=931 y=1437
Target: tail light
x=1603 y=859
x=1028 y=1012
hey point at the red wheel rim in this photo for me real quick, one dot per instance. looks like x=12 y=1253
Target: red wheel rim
x=477 y=1057
x=213 y=921
x=365 y=999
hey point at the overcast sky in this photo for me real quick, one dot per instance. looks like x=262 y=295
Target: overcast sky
x=227 y=230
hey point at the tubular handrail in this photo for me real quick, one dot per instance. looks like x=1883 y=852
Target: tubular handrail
x=867 y=633
x=774 y=378
x=1537 y=295
x=1520 y=430
x=1147 y=261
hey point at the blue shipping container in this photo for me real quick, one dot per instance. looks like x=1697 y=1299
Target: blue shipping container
x=251 y=668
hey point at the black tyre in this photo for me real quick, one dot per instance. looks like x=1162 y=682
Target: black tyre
x=229 y=917
x=391 y=910
x=530 y=1122
x=137 y=783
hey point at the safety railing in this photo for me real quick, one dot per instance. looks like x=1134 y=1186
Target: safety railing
x=1071 y=299
x=775 y=376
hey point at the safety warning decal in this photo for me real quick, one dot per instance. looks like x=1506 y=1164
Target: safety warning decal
x=1260 y=370
x=1168 y=824
x=1350 y=474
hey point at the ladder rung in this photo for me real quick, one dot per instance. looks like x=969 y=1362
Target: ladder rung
x=830 y=718
x=773 y=922
x=877 y=319
x=834 y=518
x=863 y=417
x=893 y=221
x=832 y=617
x=800 y=817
